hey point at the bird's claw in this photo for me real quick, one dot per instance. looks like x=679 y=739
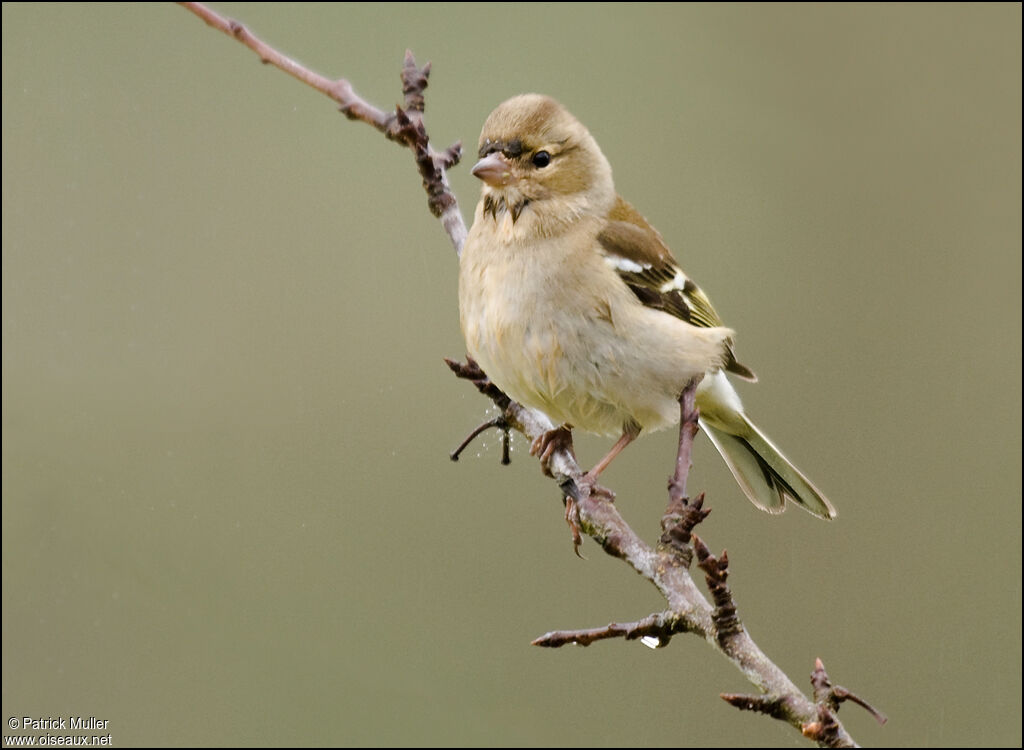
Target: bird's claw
x=589 y=486
x=586 y=487
x=549 y=443
x=572 y=517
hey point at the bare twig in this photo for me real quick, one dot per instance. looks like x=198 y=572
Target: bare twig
x=404 y=125
x=666 y=566
x=832 y=695
x=772 y=705
x=497 y=422
x=660 y=626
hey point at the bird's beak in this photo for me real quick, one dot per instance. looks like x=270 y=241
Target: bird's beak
x=493 y=169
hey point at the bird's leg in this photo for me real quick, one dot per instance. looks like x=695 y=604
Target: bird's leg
x=553 y=440
x=689 y=415
x=630 y=431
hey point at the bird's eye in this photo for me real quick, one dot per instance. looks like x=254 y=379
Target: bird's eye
x=541 y=159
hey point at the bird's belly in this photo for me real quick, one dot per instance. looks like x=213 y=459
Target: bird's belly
x=568 y=373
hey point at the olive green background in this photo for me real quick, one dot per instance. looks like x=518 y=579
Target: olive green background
x=228 y=510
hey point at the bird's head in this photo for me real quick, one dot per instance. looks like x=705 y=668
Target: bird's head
x=539 y=164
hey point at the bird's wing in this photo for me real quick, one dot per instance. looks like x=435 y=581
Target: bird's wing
x=636 y=251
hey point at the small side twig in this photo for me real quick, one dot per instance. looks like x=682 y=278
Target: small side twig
x=660 y=626
x=772 y=705
x=497 y=422
x=825 y=693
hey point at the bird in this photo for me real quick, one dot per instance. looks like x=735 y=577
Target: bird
x=572 y=304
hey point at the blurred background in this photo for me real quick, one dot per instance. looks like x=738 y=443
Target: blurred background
x=228 y=510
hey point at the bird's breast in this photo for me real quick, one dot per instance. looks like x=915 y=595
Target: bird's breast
x=509 y=326
x=534 y=334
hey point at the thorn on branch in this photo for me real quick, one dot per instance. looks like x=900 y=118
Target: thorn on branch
x=716 y=571
x=772 y=705
x=827 y=694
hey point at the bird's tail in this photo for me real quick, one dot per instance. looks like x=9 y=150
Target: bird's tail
x=764 y=474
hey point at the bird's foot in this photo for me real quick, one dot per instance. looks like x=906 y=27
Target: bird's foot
x=589 y=486
x=572 y=517
x=586 y=487
x=547 y=444
x=581 y=490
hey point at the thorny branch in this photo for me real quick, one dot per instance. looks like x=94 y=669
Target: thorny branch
x=666 y=565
